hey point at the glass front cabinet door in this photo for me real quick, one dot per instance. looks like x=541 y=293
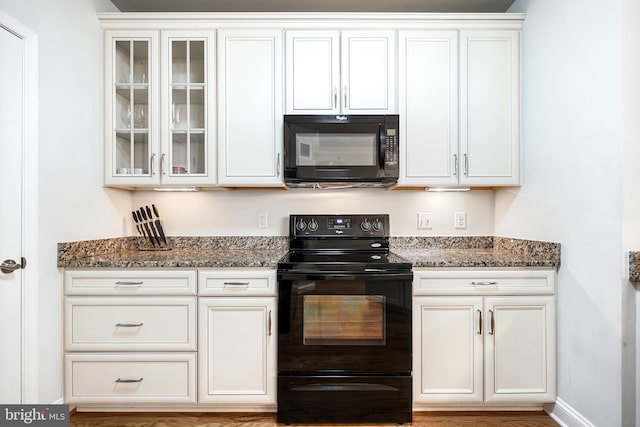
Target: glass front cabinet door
x=159 y=108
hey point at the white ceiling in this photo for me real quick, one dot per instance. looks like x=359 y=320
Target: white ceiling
x=440 y=6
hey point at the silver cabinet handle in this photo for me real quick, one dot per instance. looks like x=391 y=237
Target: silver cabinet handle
x=236 y=283
x=492 y=323
x=269 y=324
x=487 y=283
x=125 y=380
x=335 y=97
x=466 y=164
x=129 y=325
x=345 y=97
x=128 y=283
x=162 y=159
x=278 y=165
x=479 y=322
x=153 y=164
x=455 y=165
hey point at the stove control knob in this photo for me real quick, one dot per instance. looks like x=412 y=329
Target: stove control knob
x=301 y=225
x=377 y=225
x=365 y=225
x=313 y=225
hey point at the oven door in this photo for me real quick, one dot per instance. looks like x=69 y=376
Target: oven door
x=335 y=323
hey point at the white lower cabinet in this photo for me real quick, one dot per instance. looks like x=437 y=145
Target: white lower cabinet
x=237 y=354
x=130 y=378
x=487 y=348
x=237 y=335
x=143 y=338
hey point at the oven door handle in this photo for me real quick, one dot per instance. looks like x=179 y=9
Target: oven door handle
x=362 y=275
x=344 y=387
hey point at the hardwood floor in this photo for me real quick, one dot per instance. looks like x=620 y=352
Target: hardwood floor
x=420 y=419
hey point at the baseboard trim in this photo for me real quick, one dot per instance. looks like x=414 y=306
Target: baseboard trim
x=565 y=415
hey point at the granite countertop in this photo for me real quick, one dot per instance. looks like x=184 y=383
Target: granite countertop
x=192 y=252
x=251 y=251
x=634 y=266
x=476 y=252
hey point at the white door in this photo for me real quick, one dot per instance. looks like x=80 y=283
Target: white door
x=11 y=140
x=489 y=107
x=520 y=348
x=428 y=91
x=448 y=349
x=250 y=119
x=368 y=72
x=313 y=72
x=237 y=351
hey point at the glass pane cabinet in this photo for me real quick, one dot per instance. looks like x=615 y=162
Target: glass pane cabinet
x=187 y=100
x=159 y=108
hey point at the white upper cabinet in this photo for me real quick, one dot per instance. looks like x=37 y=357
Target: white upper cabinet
x=201 y=102
x=159 y=108
x=188 y=105
x=349 y=71
x=250 y=99
x=428 y=84
x=459 y=107
x=131 y=133
x=490 y=107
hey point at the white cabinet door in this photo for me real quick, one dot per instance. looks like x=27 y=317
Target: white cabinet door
x=159 y=108
x=188 y=108
x=368 y=72
x=313 y=72
x=237 y=351
x=131 y=126
x=520 y=349
x=350 y=72
x=428 y=87
x=448 y=356
x=489 y=107
x=250 y=117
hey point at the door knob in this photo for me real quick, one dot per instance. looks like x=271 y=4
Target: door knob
x=9 y=266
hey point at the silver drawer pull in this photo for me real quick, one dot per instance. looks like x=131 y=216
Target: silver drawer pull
x=126 y=381
x=129 y=325
x=484 y=283
x=236 y=283
x=125 y=283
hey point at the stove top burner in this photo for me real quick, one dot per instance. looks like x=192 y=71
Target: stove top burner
x=354 y=243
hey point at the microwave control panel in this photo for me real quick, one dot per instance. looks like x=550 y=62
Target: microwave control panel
x=391 y=143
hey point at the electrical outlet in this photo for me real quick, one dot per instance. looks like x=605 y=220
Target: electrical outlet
x=460 y=220
x=263 y=220
x=425 y=220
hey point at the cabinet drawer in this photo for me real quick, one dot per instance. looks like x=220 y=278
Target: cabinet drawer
x=130 y=324
x=130 y=282
x=130 y=378
x=433 y=281
x=236 y=282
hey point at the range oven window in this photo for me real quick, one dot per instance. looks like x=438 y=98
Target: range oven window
x=344 y=320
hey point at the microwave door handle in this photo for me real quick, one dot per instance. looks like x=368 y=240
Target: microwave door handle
x=383 y=145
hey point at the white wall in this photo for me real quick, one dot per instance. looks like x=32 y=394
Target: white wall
x=631 y=196
x=235 y=212
x=572 y=192
x=72 y=204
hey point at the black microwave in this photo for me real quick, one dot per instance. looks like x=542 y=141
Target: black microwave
x=341 y=150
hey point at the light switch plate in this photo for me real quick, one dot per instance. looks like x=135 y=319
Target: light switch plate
x=425 y=220
x=460 y=220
